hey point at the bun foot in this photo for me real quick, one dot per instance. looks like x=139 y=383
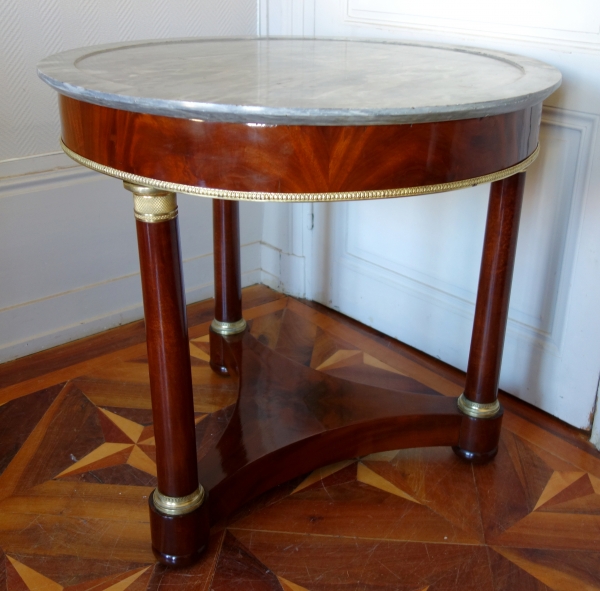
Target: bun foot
x=478 y=439
x=220 y=370
x=223 y=348
x=179 y=540
x=218 y=353
x=473 y=457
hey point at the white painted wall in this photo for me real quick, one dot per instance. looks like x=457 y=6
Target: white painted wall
x=286 y=234
x=68 y=255
x=409 y=267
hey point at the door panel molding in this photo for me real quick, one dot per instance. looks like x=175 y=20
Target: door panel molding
x=534 y=20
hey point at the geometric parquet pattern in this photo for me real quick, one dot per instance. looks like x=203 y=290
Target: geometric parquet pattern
x=77 y=465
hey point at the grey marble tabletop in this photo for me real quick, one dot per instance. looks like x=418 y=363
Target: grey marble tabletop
x=301 y=81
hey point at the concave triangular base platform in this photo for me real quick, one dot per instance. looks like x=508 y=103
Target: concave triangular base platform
x=291 y=419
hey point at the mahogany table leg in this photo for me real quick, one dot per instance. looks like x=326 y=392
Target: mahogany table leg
x=480 y=428
x=228 y=281
x=178 y=513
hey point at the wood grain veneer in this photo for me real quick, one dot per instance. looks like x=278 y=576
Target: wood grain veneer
x=493 y=293
x=227 y=274
x=297 y=159
x=168 y=357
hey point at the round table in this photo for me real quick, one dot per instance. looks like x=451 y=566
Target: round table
x=292 y=120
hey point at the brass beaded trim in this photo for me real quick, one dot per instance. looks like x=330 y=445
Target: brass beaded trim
x=178 y=505
x=153 y=219
x=228 y=328
x=303 y=197
x=478 y=410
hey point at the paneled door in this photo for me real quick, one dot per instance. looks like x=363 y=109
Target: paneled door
x=409 y=267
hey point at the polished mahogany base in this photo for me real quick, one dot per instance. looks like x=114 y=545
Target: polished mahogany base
x=290 y=419
x=179 y=540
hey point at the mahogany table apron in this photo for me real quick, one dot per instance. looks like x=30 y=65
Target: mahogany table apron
x=295 y=120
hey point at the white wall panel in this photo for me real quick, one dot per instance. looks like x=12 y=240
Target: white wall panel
x=286 y=229
x=554 y=21
x=289 y=17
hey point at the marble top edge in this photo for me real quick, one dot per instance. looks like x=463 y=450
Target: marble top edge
x=262 y=96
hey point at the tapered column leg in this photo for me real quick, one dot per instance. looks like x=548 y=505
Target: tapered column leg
x=178 y=511
x=480 y=429
x=228 y=281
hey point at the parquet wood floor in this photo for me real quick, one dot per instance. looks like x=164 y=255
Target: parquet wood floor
x=77 y=464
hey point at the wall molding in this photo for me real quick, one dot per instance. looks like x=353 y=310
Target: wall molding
x=586 y=126
x=40 y=177
x=293 y=17
x=282 y=271
x=35 y=164
x=397 y=14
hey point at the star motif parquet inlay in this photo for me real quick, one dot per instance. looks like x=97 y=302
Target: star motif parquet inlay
x=126 y=443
